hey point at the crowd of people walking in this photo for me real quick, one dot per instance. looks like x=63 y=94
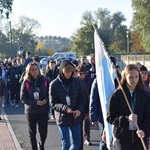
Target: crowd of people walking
x=69 y=91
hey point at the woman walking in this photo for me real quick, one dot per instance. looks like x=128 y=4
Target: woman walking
x=126 y=134
x=34 y=95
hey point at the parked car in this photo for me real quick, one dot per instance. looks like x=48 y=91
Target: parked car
x=64 y=55
x=63 y=58
x=44 y=61
x=41 y=57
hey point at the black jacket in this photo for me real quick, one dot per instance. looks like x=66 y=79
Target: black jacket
x=118 y=113
x=58 y=93
x=52 y=74
x=14 y=74
x=2 y=86
x=86 y=83
x=27 y=95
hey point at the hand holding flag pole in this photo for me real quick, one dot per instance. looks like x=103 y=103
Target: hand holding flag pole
x=144 y=146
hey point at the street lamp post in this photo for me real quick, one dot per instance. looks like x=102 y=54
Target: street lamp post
x=10 y=30
x=11 y=44
x=127 y=34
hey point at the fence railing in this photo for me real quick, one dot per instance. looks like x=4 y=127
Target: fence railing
x=123 y=60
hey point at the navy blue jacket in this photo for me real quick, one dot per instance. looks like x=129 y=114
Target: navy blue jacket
x=95 y=110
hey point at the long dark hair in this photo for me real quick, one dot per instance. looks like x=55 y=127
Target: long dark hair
x=128 y=68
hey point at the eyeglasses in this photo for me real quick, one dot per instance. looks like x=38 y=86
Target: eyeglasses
x=144 y=72
x=82 y=73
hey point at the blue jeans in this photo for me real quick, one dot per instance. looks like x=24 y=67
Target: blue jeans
x=70 y=137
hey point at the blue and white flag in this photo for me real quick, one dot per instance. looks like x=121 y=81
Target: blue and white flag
x=105 y=81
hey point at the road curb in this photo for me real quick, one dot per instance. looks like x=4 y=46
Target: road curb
x=11 y=131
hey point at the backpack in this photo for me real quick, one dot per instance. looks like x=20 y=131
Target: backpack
x=27 y=84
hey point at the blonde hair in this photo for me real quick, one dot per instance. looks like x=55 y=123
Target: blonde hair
x=28 y=69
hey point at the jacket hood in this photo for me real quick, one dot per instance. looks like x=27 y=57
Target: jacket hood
x=62 y=65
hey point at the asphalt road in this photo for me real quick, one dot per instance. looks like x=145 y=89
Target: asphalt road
x=19 y=124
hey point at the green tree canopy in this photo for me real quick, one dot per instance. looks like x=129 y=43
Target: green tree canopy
x=141 y=21
x=83 y=41
x=6 y=5
x=4 y=45
x=110 y=29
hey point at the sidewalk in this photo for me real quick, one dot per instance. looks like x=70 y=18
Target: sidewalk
x=8 y=140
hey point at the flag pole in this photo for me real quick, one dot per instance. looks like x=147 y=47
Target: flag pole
x=144 y=146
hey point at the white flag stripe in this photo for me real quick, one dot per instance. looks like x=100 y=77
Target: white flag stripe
x=105 y=81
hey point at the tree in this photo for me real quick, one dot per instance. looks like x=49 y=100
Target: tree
x=64 y=48
x=40 y=46
x=24 y=34
x=55 y=43
x=6 y=5
x=141 y=21
x=83 y=40
x=118 y=33
x=117 y=19
x=103 y=20
x=110 y=29
x=87 y=18
x=4 y=46
x=28 y=25
x=136 y=42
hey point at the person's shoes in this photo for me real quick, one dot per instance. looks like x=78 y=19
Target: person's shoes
x=52 y=117
x=41 y=147
x=12 y=103
x=16 y=106
x=87 y=142
x=3 y=105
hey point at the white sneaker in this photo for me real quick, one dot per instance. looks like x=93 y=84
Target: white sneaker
x=3 y=105
x=12 y=103
x=16 y=106
x=87 y=142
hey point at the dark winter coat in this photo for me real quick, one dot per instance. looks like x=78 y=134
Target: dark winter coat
x=27 y=61
x=86 y=107
x=86 y=82
x=118 y=113
x=52 y=74
x=2 y=86
x=14 y=74
x=58 y=93
x=27 y=95
x=95 y=110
